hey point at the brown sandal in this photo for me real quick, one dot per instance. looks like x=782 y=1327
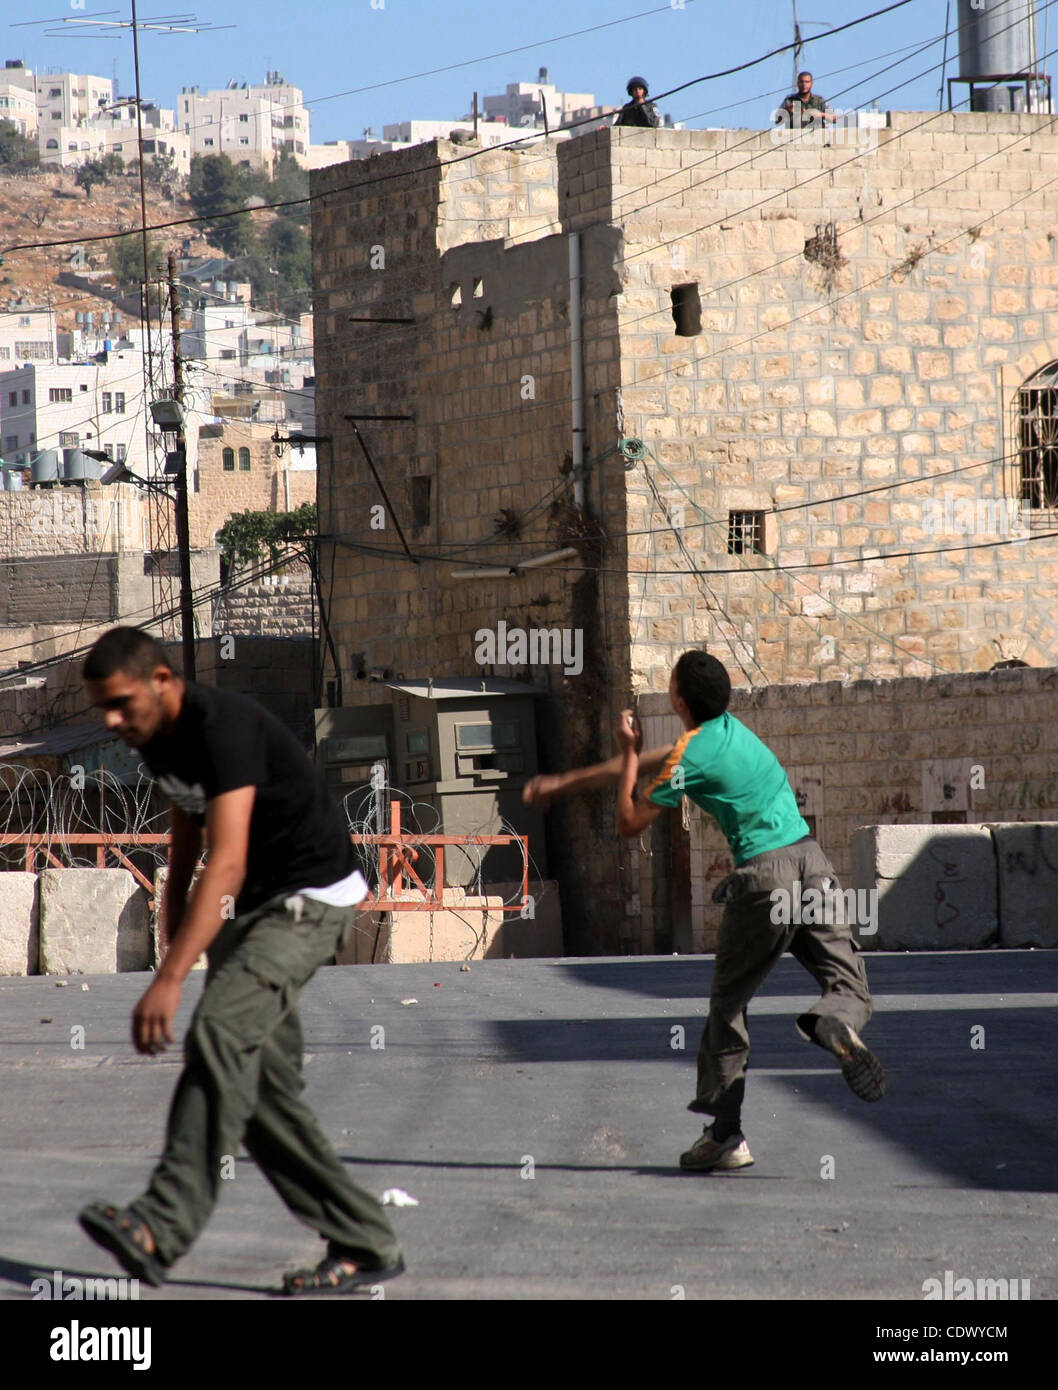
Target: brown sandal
x=331 y=1276
x=116 y=1229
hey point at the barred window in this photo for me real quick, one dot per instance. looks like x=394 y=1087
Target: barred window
x=228 y=460
x=244 y=460
x=1038 y=439
x=745 y=533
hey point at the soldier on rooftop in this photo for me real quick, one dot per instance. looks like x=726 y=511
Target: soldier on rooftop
x=638 y=111
x=804 y=107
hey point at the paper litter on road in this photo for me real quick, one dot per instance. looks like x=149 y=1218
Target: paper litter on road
x=397 y=1197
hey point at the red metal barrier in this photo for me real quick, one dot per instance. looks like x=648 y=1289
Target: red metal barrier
x=396 y=854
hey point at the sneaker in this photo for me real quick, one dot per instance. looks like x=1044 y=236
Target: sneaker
x=859 y=1066
x=707 y=1154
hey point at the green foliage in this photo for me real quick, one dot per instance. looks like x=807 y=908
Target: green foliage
x=91 y=172
x=245 y=536
x=16 y=151
x=290 y=181
x=160 y=168
x=125 y=258
x=113 y=163
x=216 y=186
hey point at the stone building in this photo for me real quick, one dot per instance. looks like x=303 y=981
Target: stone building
x=238 y=471
x=819 y=433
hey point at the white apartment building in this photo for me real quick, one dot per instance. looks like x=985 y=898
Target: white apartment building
x=252 y=124
x=75 y=405
x=96 y=403
x=237 y=344
x=115 y=132
x=18 y=97
x=26 y=336
x=520 y=108
x=65 y=101
x=523 y=103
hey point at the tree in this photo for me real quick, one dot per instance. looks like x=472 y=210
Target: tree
x=290 y=182
x=245 y=536
x=125 y=258
x=113 y=163
x=161 y=168
x=216 y=187
x=91 y=172
x=16 y=152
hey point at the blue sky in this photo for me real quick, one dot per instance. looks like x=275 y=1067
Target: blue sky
x=328 y=47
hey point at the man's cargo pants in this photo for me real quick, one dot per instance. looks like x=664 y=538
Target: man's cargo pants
x=751 y=942
x=241 y=1083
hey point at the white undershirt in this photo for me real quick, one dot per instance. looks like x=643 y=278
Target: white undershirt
x=345 y=893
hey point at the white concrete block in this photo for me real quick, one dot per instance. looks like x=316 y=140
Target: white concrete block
x=92 y=922
x=161 y=877
x=1027 y=867
x=19 y=924
x=937 y=885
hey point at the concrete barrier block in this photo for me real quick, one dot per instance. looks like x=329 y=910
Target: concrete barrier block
x=468 y=927
x=937 y=885
x=19 y=924
x=528 y=937
x=159 y=936
x=1027 y=867
x=92 y=922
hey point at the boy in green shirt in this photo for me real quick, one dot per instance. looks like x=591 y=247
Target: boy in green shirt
x=724 y=768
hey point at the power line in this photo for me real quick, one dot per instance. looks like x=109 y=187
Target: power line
x=437 y=164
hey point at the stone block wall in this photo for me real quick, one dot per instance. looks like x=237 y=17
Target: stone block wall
x=895 y=360
x=74 y=520
x=281 y=605
x=846 y=384
x=270 y=484
x=974 y=749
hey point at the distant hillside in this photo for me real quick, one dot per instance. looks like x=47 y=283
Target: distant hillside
x=49 y=207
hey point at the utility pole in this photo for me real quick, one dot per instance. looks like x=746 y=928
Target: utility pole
x=183 y=527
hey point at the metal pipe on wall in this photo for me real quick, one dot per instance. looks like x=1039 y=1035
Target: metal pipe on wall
x=576 y=367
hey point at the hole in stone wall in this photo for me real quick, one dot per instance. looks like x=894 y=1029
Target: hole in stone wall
x=420 y=499
x=686 y=310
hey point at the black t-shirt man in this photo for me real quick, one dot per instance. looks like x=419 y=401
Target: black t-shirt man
x=222 y=741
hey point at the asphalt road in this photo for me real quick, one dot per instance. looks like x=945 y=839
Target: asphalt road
x=536 y=1110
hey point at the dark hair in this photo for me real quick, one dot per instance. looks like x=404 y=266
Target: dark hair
x=126 y=649
x=704 y=685
x=806 y=73
x=634 y=82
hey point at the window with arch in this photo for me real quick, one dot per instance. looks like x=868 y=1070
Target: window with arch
x=244 y=460
x=1038 y=439
x=229 y=460
x=52 y=145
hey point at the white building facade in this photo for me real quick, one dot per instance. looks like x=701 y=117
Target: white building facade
x=253 y=124
x=26 y=336
x=75 y=405
x=18 y=98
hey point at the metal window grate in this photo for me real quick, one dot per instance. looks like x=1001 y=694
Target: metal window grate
x=1038 y=440
x=745 y=533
